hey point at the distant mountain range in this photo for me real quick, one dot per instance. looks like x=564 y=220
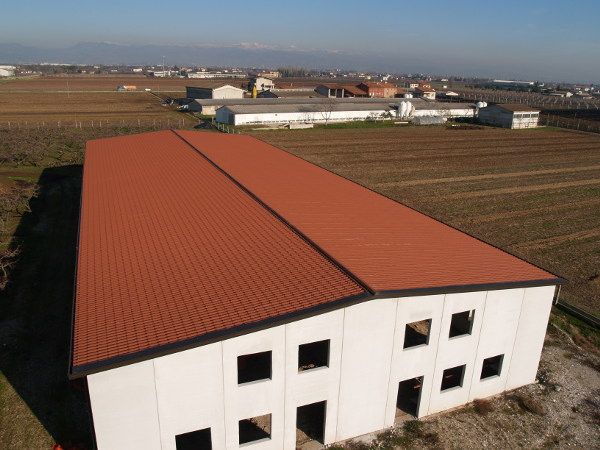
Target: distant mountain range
x=242 y=55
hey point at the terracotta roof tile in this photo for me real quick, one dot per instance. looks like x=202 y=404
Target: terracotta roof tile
x=387 y=245
x=187 y=235
x=171 y=249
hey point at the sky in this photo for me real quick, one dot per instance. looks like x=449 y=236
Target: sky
x=544 y=40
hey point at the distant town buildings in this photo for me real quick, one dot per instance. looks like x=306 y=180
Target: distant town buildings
x=7 y=71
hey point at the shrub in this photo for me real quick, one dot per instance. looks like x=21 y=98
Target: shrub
x=531 y=404
x=483 y=407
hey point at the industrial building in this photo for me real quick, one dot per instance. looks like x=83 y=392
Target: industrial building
x=321 y=110
x=302 y=113
x=509 y=115
x=214 y=91
x=229 y=293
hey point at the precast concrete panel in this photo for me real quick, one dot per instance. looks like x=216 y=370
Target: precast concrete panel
x=414 y=361
x=497 y=337
x=531 y=332
x=256 y=398
x=366 y=357
x=456 y=351
x=189 y=389
x=318 y=384
x=123 y=402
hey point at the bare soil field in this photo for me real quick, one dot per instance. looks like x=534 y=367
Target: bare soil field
x=47 y=109
x=73 y=83
x=534 y=193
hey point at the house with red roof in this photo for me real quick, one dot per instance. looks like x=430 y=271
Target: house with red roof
x=229 y=294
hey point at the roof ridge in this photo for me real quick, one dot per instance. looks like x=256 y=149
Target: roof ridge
x=559 y=278
x=279 y=217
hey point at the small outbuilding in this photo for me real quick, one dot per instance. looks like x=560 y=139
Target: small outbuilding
x=220 y=90
x=510 y=115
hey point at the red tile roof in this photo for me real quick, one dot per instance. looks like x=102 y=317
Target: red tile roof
x=387 y=245
x=171 y=249
x=187 y=237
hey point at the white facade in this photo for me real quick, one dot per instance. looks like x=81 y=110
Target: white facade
x=146 y=404
x=497 y=116
x=219 y=92
x=263 y=83
x=459 y=111
x=7 y=71
x=225 y=115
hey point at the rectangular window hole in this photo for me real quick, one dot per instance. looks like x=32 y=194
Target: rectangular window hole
x=313 y=355
x=254 y=367
x=453 y=377
x=462 y=323
x=409 y=394
x=491 y=367
x=417 y=333
x=194 y=440
x=310 y=423
x=255 y=429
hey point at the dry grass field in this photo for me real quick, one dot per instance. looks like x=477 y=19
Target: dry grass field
x=90 y=83
x=46 y=109
x=534 y=193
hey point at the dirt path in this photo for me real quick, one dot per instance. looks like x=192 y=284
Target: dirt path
x=558 y=240
x=516 y=190
x=491 y=176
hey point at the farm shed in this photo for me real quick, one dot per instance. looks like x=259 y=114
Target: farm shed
x=216 y=91
x=510 y=115
x=340 y=90
x=302 y=112
x=227 y=291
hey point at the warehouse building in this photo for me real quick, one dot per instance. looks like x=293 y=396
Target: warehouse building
x=215 y=91
x=302 y=113
x=210 y=106
x=231 y=294
x=510 y=115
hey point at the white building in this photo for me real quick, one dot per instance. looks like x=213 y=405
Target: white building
x=7 y=71
x=257 y=299
x=511 y=115
x=217 y=91
x=302 y=112
x=261 y=83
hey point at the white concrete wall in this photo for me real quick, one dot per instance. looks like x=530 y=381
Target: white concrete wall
x=145 y=405
x=311 y=117
x=228 y=92
x=454 y=112
x=368 y=346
